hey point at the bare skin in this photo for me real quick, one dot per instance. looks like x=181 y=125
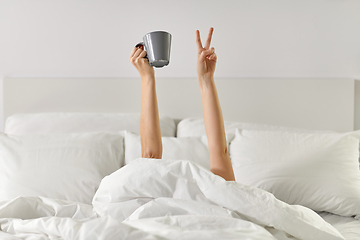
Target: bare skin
x=220 y=163
x=151 y=144
x=150 y=133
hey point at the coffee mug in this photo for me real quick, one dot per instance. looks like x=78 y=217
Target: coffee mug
x=157 y=45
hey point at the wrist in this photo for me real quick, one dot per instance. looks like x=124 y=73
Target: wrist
x=206 y=75
x=205 y=80
x=147 y=78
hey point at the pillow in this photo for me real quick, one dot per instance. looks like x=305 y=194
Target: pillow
x=68 y=167
x=319 y=171
x=194 y=149
x=50 y=123
x=193 y=127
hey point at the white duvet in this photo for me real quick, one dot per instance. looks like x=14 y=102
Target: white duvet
x=164 y=199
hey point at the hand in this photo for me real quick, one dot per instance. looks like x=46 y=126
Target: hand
x=137 y=58
x=206 y=57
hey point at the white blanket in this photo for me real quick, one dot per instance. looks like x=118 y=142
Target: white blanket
x=164 y=199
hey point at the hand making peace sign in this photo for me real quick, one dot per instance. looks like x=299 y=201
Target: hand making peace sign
x=206 y=56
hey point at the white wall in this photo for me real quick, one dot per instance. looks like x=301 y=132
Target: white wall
x=253 y=38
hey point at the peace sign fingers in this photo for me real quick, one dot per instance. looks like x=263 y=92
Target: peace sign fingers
x=198 y=42
x=208 y=41
x=206 y=58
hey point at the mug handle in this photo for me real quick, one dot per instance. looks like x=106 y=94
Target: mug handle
x=141 y=44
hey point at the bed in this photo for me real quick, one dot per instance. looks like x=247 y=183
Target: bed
x=79 y=175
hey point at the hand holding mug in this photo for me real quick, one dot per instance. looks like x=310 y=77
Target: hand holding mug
x=157 y=45
x=137 y=58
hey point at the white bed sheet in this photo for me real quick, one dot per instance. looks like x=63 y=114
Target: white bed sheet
x=349 y=227
x=165 y=199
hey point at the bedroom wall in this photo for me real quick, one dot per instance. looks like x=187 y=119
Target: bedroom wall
x=253 y=38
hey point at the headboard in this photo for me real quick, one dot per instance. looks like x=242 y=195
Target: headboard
x=319 y=104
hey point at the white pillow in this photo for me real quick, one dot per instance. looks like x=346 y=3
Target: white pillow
x=194 y=127
x=54 y=123
x=68 y=167
x=319 y=171
x=194 y=149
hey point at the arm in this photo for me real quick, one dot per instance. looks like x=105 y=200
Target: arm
x=220 y=163
x=150 y=133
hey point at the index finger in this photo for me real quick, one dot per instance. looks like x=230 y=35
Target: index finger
x=133 y=51
x=198 y=40
x=208 y=41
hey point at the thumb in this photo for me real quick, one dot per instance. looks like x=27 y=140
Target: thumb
x=206 y=53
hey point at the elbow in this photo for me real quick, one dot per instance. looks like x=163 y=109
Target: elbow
x=225 y=151
x=220 y=164
x=219 y=151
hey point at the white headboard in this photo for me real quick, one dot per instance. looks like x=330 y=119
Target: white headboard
x=319 y=104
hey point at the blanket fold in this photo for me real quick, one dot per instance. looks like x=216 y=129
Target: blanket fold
x=161 y=178
x=156 y=199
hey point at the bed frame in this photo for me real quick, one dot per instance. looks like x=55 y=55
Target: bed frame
x=319 y=104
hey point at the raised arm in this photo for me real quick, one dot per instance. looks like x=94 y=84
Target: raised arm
x=220 y=163
x=150 y=133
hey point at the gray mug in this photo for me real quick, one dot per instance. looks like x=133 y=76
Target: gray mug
x=157 y=45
